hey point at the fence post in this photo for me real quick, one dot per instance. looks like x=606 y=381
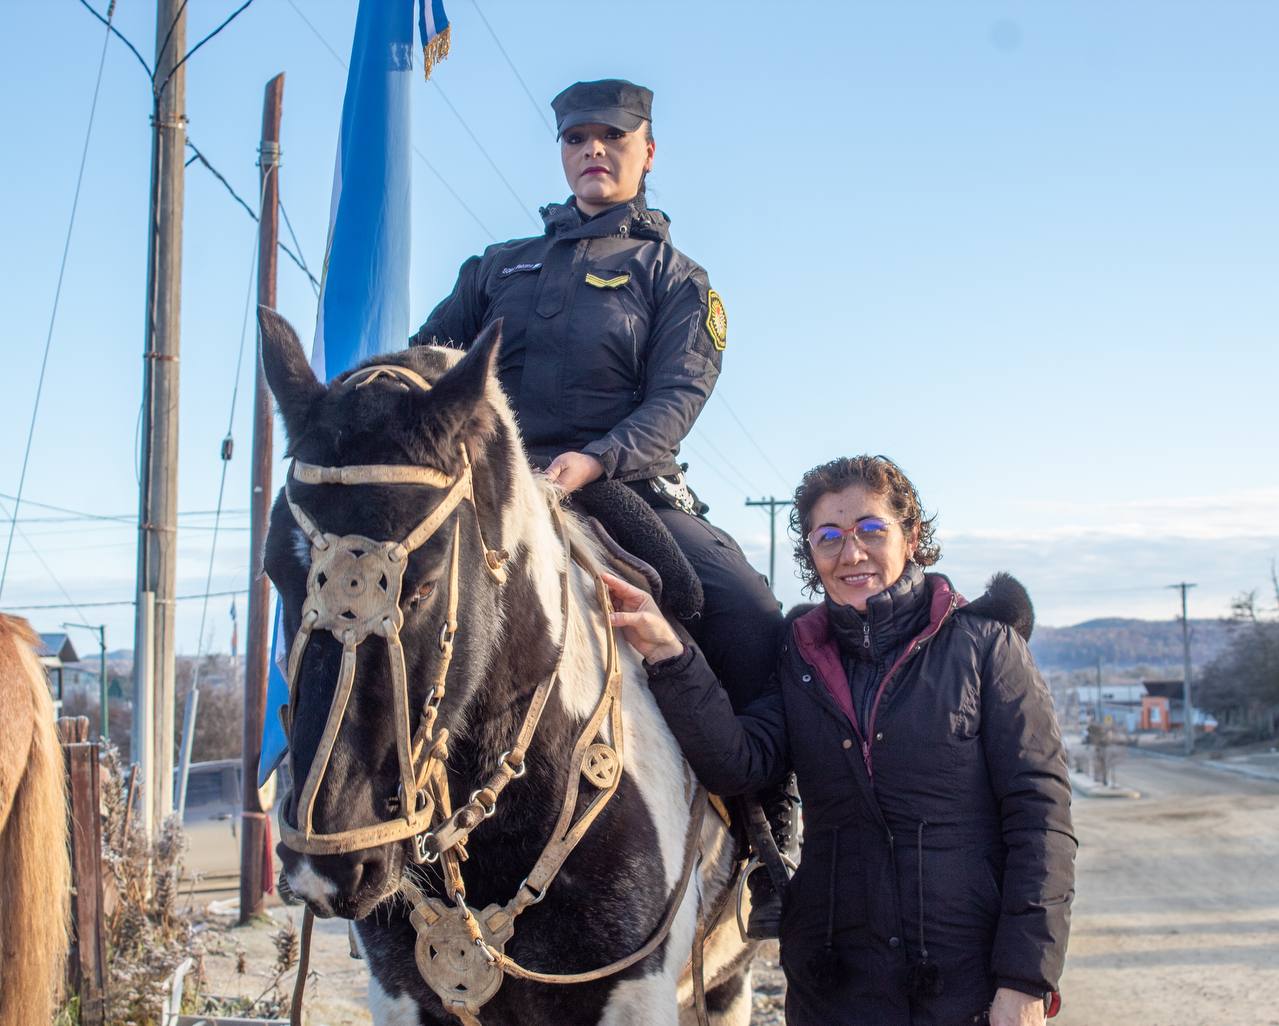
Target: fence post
x=87 y=964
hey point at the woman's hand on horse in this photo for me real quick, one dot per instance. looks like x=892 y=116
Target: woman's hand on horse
x=571 y=470
x=1013 y=1008
x=642 y=622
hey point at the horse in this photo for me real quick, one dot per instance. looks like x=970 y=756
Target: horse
x=482 y=781
x=35 y=868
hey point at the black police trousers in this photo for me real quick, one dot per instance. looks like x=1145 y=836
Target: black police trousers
x=740 y=628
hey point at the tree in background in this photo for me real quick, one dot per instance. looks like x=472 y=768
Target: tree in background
x=219 y=720
x=1241 y=685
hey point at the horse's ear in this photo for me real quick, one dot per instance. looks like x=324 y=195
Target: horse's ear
x=456 y=407
x=292 y=381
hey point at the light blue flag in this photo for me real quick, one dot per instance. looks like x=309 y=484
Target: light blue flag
x=364 y=294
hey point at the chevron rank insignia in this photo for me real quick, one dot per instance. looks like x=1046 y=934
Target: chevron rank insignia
x=607 y=283
x=716 y=320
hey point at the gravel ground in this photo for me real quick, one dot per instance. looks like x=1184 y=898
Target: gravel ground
x=335 y=993
x=1176 y=922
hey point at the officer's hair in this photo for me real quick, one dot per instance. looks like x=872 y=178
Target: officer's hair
x=877 y=473
x=648 y=137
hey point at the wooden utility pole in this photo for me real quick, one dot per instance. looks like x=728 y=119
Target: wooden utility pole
x=773 y=505
x=157 y=515
x=253 y=854
x=87 y=959
x=1183 y=587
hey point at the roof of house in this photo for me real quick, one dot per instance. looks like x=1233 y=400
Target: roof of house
x=56 y=649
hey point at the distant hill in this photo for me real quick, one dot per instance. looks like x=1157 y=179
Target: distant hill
x=1123 y=643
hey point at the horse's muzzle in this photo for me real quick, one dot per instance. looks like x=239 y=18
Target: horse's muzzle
x=348 y=886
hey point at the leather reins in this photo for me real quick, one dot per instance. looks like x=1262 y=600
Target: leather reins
x=353 y=592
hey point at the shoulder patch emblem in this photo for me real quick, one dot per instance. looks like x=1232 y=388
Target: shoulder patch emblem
x=716 y=320
x=607 y=283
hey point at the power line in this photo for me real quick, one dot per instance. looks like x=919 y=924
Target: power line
x=711 y=466
x=492 y=163
x=315 y=285
x=751 y=438
x=71 y=603
x=727 y=464
x=514 y=70
x=420 y=155
x=191 y=53
x=120 y=36
x=131 y=517
x=168 y=35
x=129 y=602
x=57 y=296
x=297 y=258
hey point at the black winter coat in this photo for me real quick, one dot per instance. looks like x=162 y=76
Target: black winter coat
x=956 y=791
x=611 y=337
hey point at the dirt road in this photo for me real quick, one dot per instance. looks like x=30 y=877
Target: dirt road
x=1176 y=920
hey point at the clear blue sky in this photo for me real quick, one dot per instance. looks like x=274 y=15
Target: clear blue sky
x=1027 y=249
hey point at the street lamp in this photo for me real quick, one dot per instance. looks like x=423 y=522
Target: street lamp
x=102 y=672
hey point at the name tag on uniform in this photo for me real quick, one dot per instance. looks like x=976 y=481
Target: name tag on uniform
x=506 y=272
x=607 y=283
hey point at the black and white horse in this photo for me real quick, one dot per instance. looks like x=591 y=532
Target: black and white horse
x=613 y=890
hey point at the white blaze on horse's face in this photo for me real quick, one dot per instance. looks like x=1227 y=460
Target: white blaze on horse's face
x=310 y=886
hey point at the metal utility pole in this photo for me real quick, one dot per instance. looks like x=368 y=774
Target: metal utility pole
x=102 y=673
x=1184 y=587
x=253 y=853
x=157 y=512
x=1098 y=706
x=773 y=505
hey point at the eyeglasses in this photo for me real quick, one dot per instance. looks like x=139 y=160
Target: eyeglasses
x=870 y=533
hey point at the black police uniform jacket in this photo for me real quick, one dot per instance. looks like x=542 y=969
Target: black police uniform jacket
x=953 y=788
x=607 y=347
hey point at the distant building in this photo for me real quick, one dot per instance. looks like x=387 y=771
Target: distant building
x=1164 y=707
x=55 y=652
x=1156 y=705
x=1113 y=704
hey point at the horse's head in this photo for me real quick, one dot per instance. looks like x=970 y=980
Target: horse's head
x=388 y=535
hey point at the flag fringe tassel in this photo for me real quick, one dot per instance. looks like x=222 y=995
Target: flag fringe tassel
x=436 y=50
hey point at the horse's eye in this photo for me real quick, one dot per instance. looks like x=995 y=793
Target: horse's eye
x=421 y=595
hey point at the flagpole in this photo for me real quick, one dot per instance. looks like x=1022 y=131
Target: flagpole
x=254 y=857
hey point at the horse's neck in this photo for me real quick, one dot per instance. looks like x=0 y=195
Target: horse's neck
x=528 y=653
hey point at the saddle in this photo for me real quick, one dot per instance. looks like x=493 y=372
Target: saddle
x=638 y=542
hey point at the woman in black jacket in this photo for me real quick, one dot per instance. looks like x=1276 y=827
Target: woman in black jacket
x=938 y=859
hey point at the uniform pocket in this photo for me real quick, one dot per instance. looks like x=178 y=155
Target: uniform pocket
x=605 y=342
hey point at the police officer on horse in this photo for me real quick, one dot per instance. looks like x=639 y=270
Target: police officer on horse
x=612 y=341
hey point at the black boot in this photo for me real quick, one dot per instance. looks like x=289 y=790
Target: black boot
x=773 y=828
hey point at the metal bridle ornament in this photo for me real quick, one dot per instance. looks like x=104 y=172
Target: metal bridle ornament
x=353 y=591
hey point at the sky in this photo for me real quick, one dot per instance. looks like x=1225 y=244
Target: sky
x=1028 y=250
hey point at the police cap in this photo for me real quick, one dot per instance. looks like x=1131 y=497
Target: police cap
x=611 y=101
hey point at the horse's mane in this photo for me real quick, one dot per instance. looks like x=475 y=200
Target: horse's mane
x=35 y=874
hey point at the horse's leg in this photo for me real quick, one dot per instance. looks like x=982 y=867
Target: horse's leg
x=648 y=1001
x=729 y=1003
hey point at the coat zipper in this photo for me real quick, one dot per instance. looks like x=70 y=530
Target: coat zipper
x=914 y=647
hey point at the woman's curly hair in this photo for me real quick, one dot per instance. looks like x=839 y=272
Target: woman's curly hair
x=882 y=476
